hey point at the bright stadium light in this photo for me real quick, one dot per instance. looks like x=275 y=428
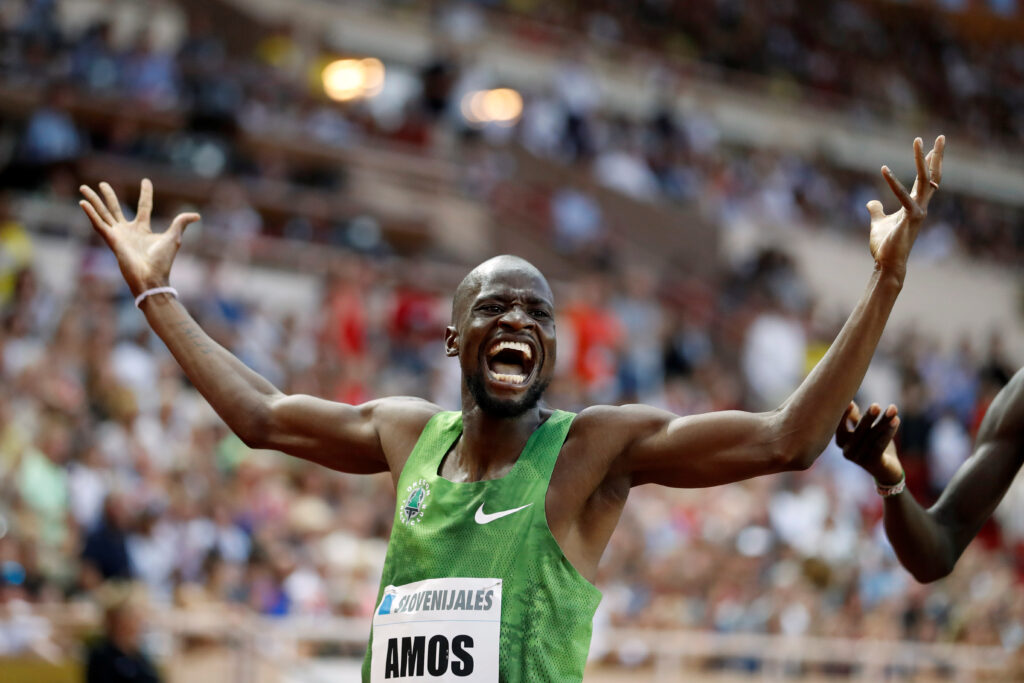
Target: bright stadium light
x=350 y=79
x=373 y=76
x=503 y=106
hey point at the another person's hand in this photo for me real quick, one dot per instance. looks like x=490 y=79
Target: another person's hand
x=145 y=257
x=893 y=235
x=867 y=440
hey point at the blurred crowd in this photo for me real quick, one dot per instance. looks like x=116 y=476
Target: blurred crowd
x=273 y=88
x=882 y=59
x=112 y=467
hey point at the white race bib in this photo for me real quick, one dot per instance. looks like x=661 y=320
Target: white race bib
x=438 y=630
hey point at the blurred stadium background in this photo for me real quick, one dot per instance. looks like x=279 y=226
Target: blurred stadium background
x=690 y=175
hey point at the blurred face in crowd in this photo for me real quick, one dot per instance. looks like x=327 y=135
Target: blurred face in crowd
x=124 y=626
x=55 y=441
x=115 y=511
x=503 y=332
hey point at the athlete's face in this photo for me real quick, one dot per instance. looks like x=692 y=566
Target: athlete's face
x=504 y=336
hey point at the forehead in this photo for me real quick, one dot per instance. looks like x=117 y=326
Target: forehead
x=518 y=283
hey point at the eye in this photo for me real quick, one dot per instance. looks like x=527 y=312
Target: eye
x=490 y=308
x=540 y=313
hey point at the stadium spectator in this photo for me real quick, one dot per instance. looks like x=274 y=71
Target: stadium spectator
x=105 y=555
x=117 y=656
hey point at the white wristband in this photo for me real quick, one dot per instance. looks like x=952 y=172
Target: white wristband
x=889 y=491
x=156 y=290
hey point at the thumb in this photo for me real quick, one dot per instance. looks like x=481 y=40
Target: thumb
x=875 y=209
x=178 y=225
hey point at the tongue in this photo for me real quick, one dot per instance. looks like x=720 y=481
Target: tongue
x=506 y=368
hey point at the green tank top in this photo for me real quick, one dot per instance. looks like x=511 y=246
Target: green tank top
x=547 y=607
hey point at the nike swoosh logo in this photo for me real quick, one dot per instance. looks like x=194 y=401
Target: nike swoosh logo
x=484 y=518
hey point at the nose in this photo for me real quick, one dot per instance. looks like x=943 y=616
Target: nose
x=516 y=318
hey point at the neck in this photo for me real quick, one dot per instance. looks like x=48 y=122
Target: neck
x=490 y=445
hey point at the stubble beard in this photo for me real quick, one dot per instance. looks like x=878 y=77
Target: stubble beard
x=504 y=408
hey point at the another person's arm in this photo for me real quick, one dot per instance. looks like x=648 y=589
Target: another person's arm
x=706 y=450
x=929 y=542
x=339 y=436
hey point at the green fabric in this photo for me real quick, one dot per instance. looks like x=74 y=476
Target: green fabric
x=547 y=606
x=44 y=487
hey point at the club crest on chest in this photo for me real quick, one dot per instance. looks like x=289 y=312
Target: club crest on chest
x=415 y=502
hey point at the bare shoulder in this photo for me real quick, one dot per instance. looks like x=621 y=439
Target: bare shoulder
x=591 y=482
x=404 y=409
x=607 y=431
x=619 y=423
x=401 y=414
x=399 y=420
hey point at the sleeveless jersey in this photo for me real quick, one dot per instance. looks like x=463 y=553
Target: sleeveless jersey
x=495 y=529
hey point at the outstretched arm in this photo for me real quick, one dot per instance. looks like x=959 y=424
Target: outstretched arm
x=706 y=450
x=929 y=542
x=336 y=435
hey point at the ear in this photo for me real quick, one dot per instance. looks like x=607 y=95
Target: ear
x=451 y=341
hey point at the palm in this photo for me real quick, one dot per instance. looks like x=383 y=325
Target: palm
x=884 y=232
x=142 y=252
x=144 y=257
x=892 y=235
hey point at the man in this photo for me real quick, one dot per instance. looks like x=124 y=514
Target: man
x=117 y=656
x=504 y=509
x=929 y=542
x=105 y=554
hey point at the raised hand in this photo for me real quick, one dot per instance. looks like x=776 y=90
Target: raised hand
x=867 y=441
x=145 y=257
x=892 y=235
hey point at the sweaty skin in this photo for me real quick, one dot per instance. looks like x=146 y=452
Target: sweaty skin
x=929 y=542
x=609 y=449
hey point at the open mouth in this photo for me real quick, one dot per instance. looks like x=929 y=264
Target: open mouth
x=510 y=362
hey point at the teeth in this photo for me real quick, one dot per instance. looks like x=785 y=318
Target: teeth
x=515 y=346
x=514 y=379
